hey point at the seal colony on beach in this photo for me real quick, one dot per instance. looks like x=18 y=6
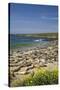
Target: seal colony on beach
x=26 y=62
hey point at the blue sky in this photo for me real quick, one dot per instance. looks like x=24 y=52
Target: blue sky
x=29 y=18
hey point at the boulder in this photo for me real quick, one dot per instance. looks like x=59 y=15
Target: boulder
x=43 y=60
x=28 y=63
x=21 y=73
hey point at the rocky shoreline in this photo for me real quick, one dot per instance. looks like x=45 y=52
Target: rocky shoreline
x=23 y=62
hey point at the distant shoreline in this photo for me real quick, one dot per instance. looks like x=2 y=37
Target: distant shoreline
x=49 y=36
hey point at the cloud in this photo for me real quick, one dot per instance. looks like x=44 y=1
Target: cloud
x=49 y=18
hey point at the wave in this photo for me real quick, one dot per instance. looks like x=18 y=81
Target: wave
x=38 y=40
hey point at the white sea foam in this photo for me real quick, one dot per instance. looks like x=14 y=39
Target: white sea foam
x=38 y=40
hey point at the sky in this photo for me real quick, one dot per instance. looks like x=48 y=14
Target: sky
x=30 y=18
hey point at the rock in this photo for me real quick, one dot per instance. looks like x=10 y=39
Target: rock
x=27 y=58
x=18 y=51
x=23 y=69
x=28 y=63
x=46 y=52
x=50 y=61
x=36 y=65
x=28 y=52
x=55 y=58
x=22 y=73
x=19 y=59
x=50 y=48
x=12 y=60
x=14 y=69
x=36 y=61
x=11 y=76
x=19 y=56
x=33 y=56
x=42 y=60
x=11 y=57
x=30 y=67
x=42 y=64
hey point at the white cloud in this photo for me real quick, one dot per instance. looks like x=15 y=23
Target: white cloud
x=49 y=18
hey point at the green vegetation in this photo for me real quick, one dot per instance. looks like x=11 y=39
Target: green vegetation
x=41 y=35
x=24 y=44
x=40 y=77
x=21 y=45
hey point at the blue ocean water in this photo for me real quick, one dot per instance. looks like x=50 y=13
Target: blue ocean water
x=15 y=41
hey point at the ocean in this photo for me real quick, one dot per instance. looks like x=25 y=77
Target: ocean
x=23 y=41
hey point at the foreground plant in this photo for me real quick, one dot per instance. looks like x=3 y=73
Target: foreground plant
x=40 y=77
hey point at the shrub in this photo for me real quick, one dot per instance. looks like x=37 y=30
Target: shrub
x=45 y=77
x=41 y=77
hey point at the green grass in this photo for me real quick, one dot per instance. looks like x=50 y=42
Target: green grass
x=26 y=44
x=41 y=77
x=41 y=35
x=22 y=45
